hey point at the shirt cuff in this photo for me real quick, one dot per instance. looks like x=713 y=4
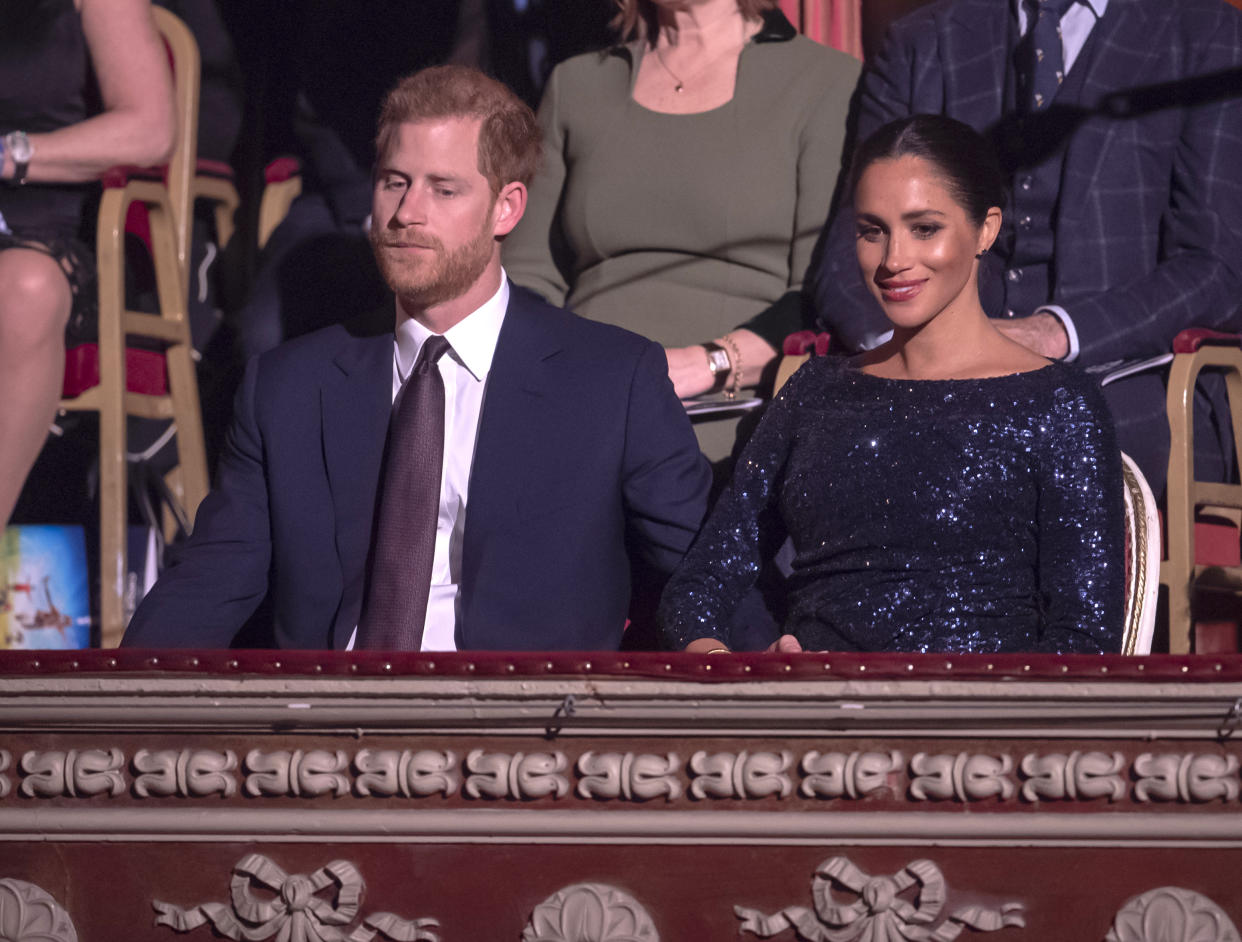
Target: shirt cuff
x=1068 y=323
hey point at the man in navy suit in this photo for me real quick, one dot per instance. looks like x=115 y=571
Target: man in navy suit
x=1125 y=219
x=566 y=454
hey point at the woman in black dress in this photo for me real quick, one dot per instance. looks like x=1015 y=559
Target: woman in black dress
x=947 y=491
x=84 y=86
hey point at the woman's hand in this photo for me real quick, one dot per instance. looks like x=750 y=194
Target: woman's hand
x=687 y=368
x=785 y=644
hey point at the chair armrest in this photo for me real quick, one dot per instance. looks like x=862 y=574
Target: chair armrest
x=1192 y=338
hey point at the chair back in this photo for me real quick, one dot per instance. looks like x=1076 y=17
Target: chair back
x=184 y=58
x=1142 y=566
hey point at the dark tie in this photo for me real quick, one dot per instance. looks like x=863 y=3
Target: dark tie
x=395 y=607
x=1043 y=61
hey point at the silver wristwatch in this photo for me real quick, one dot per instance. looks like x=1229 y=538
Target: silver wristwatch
x=19 y=146
x=718 y=362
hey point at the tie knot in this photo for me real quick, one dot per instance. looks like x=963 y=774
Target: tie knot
x=434 y=347
x=1054 y=8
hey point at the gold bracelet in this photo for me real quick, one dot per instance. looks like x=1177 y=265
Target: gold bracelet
x=735 y=359
x=720 y=650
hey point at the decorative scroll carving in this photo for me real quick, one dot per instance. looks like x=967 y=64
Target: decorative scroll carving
x=298 y=911
x=590 y=912
x=28 y=914
x=188 y=773
x=880 y=912
x=388 y=772
x=1171 y=914
x=1078 y=776
x=5 y=759
x=841 y=775
x=518 y=776
x=297 y=773
x=1188 y=777
x=74 y=773
x=963 y=776
x=744 y=775
x=629 y=776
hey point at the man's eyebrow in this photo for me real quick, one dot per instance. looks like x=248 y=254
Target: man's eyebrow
x=446 y=178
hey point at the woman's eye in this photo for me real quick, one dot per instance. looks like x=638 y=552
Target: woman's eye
x=869 y=233
x=926 y=230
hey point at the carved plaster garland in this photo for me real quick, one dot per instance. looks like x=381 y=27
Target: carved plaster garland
x=614 y=776
x=298 y=911
x=29 y=914
x=880 y=912
x=590 y=912
x=1172 y=914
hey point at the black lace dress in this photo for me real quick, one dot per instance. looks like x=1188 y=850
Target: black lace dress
x=940 y=515
x=46 y=83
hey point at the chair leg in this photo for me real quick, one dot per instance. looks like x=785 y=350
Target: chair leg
x=1177 y=569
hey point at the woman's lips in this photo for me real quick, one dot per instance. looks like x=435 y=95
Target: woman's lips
x=895 y=291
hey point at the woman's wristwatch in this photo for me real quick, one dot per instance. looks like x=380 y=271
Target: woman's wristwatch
x=17 y=144
x=719 y=363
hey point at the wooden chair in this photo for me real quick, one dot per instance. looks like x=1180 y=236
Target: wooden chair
x=1142 y=560
x=165 y=194
x=1183 y=573
x=282 y=185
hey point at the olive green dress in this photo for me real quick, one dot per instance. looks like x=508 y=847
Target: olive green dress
x=683 y=227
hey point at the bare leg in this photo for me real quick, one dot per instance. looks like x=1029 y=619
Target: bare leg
x=34 y=307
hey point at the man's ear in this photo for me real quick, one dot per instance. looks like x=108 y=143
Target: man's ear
x=509 y=207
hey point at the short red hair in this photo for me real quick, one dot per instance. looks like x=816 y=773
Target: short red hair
x=509 y=138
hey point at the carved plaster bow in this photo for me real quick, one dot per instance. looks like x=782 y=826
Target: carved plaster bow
x=879 y=914
x=298 y=914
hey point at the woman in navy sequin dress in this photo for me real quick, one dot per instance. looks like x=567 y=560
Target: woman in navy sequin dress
x=949 y=490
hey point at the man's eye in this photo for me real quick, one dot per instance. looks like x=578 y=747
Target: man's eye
x=445 y=192
x=393 y=183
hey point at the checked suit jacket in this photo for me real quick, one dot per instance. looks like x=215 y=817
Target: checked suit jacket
x=584 y=459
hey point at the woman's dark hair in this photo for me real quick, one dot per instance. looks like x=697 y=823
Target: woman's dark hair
x=964 y=160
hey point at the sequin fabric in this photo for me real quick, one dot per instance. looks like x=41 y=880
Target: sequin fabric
x=936 y=515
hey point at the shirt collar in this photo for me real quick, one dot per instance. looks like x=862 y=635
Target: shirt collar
x=473 y=338
x=1097 y=7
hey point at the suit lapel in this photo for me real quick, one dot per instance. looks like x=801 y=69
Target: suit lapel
x=1124 y=56
x=516 y=383
x=355 y=403
x=975 y=57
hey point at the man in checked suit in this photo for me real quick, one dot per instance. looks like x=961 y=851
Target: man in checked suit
x=564 y=449
x=1125 y=219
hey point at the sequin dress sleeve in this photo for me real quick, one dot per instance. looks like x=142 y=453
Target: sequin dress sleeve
x=1081 y=523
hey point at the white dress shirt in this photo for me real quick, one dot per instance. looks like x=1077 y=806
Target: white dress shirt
x=464 y=369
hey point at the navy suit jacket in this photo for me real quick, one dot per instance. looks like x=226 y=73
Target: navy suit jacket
x=1148 y=236
x=583 y=453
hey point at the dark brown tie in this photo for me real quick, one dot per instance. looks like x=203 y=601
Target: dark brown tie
x=395 y=607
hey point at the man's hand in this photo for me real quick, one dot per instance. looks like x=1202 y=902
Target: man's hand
x=1042 y=333
x=687 y=368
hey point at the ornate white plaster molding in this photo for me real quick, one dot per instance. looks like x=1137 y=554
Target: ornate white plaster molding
x=73 y=773
x=297 y=773
x=30 y=914
x=629 y=776
x=1187 y=777
x=5 y=759
x=297 y=911
x=962 y=777
x=590 y=912
x=901 y=906
x=1079 y=776
x=740 y=775
x=518 y=776
x=1171 y=914
x=185 y=773
x=387 y=772
x=852 y=775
